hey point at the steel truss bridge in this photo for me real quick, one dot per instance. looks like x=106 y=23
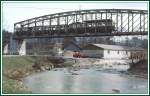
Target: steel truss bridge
x=82 y=23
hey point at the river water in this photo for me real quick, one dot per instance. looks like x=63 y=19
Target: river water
x=92 y=80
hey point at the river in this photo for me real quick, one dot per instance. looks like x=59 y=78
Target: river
x=91 y=80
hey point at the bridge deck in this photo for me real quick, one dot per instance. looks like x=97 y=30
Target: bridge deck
x=85 y=35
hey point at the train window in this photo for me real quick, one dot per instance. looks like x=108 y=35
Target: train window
x=89 y=25
x=54 y=28
x=103 y=24
x=94 y=25
x=40 y=28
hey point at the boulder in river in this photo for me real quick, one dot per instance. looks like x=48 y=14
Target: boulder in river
x=74 y=73
x=116 y=90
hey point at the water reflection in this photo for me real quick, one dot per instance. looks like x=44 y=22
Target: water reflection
x=87 y=81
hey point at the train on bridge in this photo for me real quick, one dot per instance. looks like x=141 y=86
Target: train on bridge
x=94 y=22
x=87 y=27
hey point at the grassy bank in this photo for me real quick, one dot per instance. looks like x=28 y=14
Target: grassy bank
x=13 y=70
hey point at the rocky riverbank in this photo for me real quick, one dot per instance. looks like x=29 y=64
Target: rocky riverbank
x=16 y=68
x=140 y=69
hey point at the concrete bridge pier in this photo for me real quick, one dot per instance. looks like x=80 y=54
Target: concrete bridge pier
x=6 y=49
x=22 y=48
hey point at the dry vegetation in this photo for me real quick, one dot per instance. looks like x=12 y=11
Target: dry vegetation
x=15 y=68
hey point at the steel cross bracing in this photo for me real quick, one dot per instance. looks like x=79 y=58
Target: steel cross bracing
x=96 y=22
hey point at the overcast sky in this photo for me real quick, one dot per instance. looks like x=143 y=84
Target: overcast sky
x=14 y=12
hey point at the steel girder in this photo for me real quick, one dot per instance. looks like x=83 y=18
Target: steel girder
x=124 y=20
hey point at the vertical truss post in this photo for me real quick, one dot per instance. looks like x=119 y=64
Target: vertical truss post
x=28 y=25
x=21 y=28
x=50 y=28
x=132 y=22
x=95 y=22
x=111 y=18
x=58 y=24
x=101 y=15
x=128 y=21
x=42 y=24
x=140 y=22
x=82 y=21
x=73 y=18
x=15 y=27
x=144 y=22
x=91 y=16
x=112 y=22
x=66 y=23
x=147 y=23
x=117 y=21
x=76 y=20
x=67 y=20
x=35 y=28
x=85 y=23
x=106 y=22
x=82 y=18
x=91 y=19
x=35 y=25
x=121 y=22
